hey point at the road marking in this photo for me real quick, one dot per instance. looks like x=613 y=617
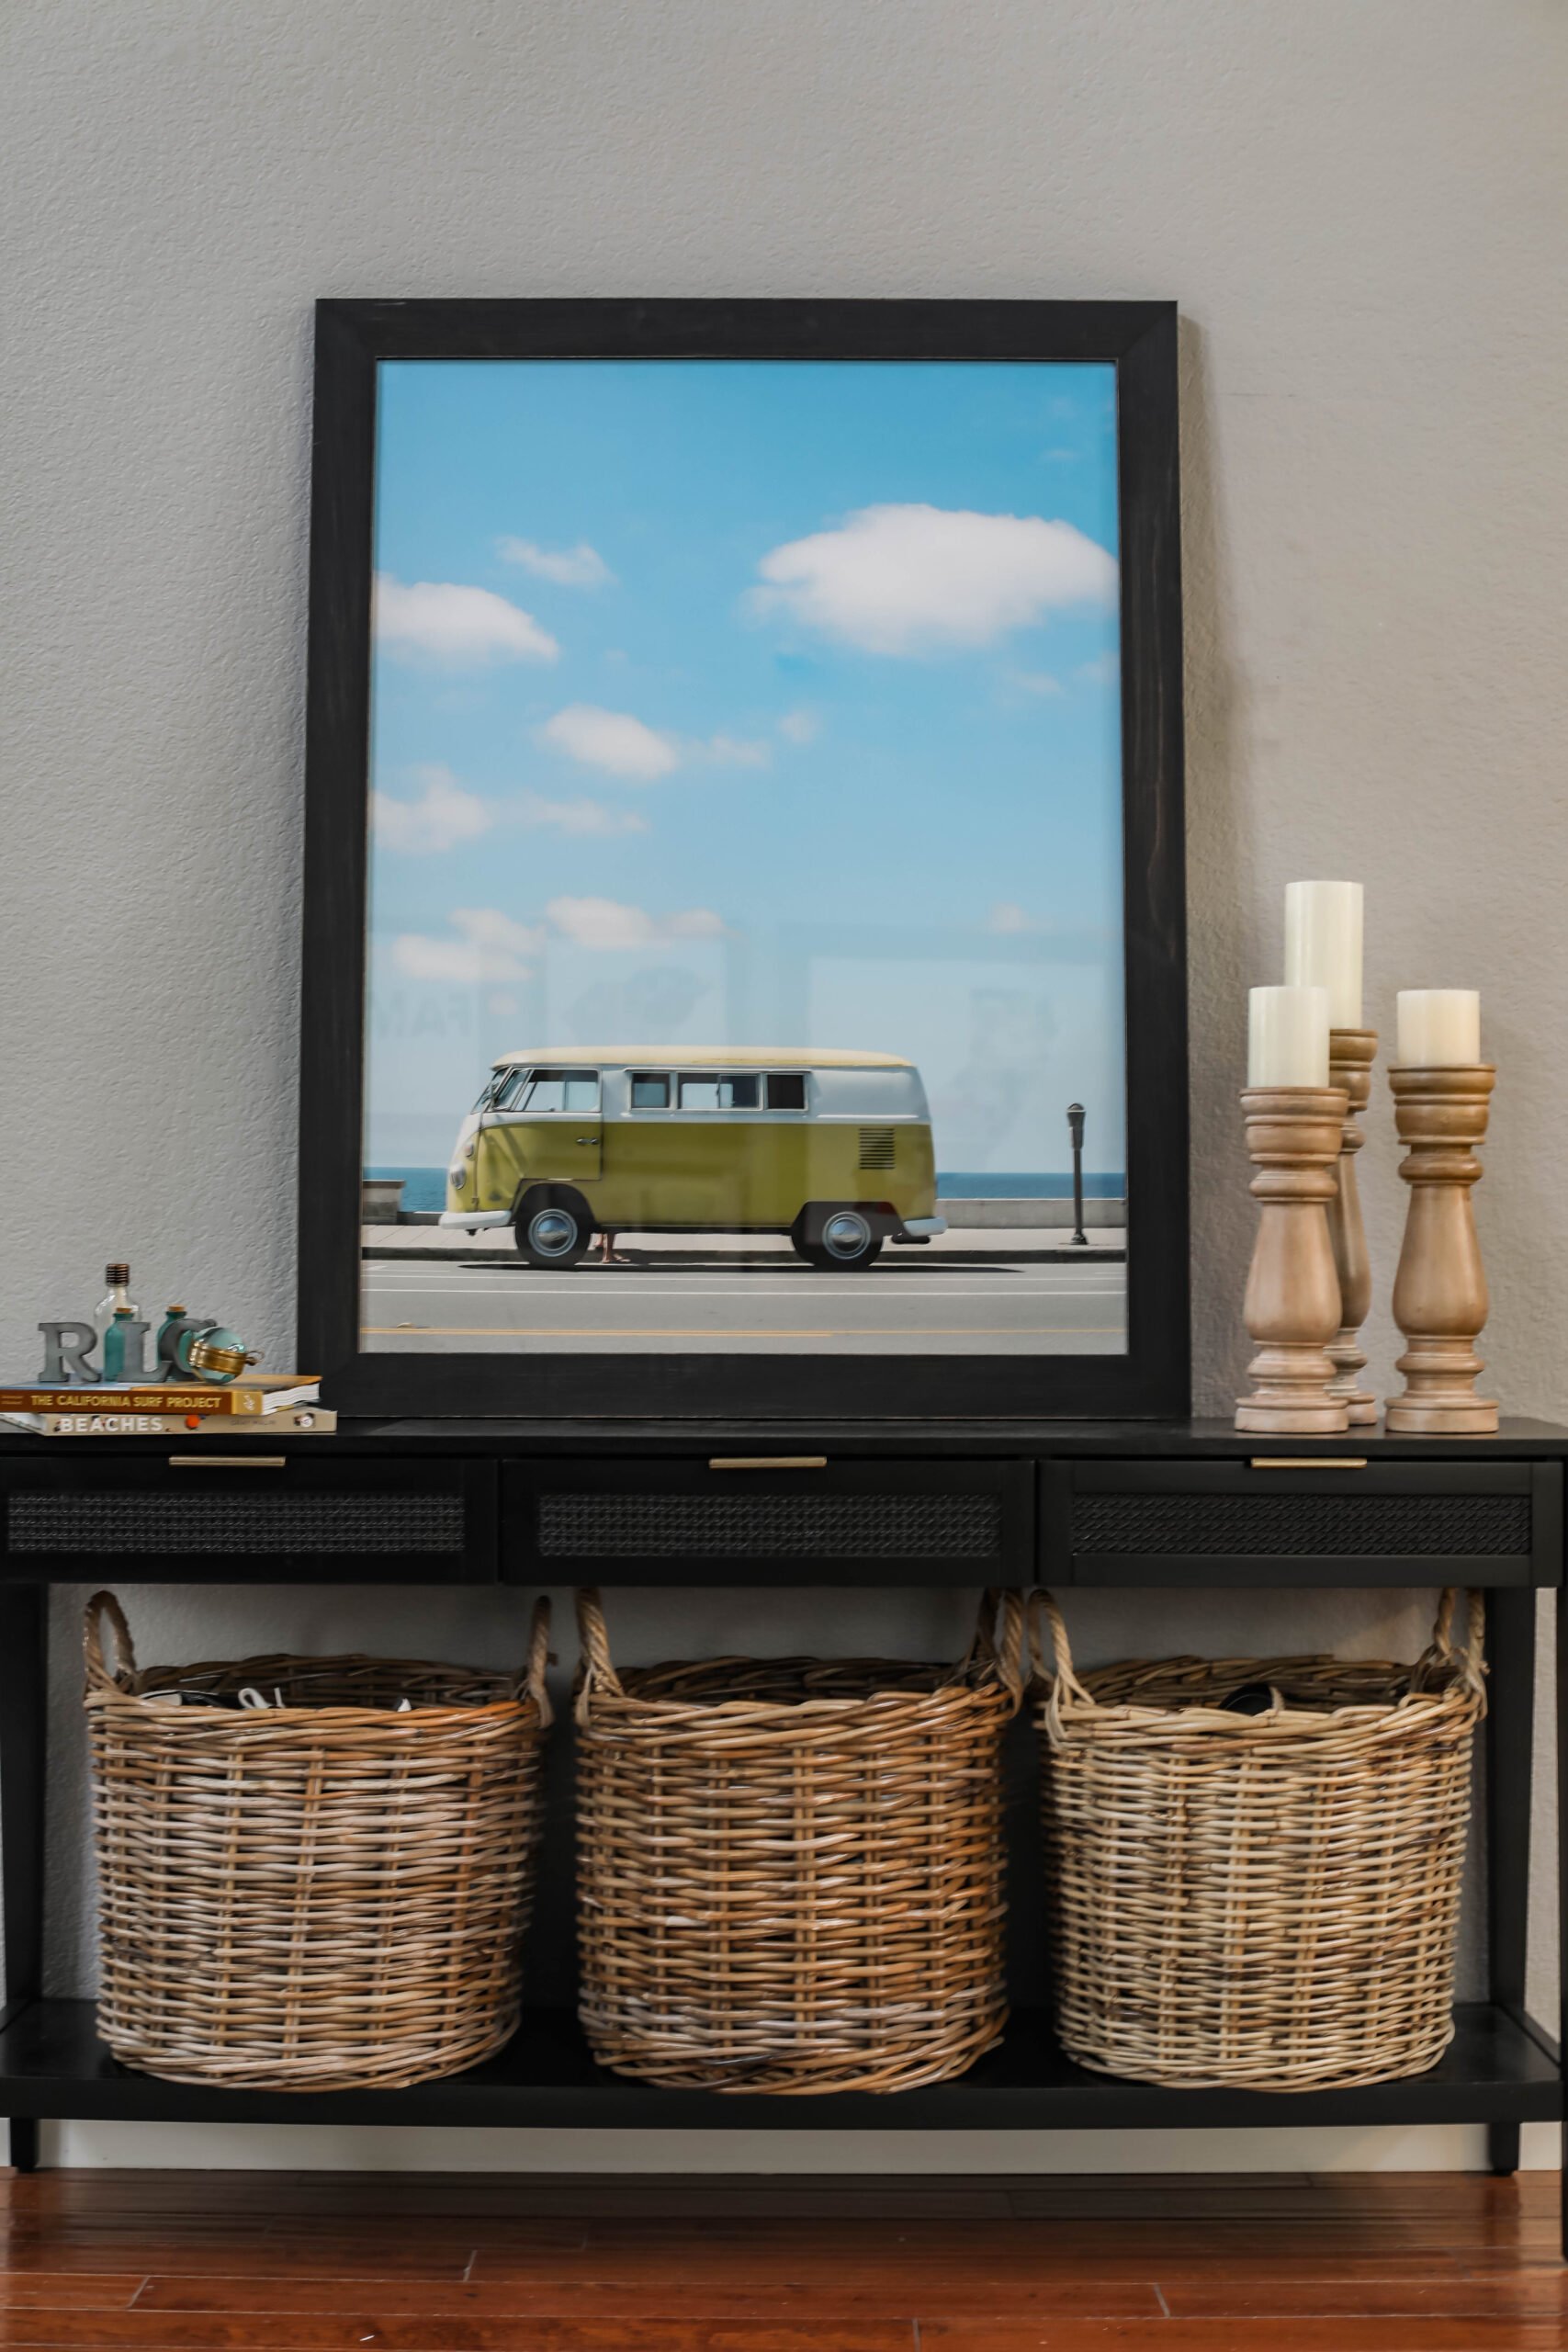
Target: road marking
x=596 y=1331
x=706 y=1332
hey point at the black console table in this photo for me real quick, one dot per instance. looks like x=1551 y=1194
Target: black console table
x=936 y=1504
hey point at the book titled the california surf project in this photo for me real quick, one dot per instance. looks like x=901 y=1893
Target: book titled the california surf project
x=299 y=1421
x=280 y=1402
x=251 y=1397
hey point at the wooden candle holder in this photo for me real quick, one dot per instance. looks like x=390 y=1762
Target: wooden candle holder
x=1351 y=1053
x=1295 y=1134
x=1439 y=1291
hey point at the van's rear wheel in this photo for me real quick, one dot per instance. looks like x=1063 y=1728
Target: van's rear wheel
x=835 y=1240
x=552 y=1233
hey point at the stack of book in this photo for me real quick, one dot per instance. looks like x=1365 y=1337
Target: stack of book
x=276 y=1404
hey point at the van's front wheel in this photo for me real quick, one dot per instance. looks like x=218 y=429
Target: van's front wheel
x=835 y=1240
x=552 y=1232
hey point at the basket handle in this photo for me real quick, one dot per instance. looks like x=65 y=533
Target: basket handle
x=104 y=1609
x=538 y=1659
x=596 y=1675
x=1443 y=1651
x=1044 y=1616
x=997 y=1644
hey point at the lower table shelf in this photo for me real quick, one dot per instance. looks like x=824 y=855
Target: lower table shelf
x=1494 y=2071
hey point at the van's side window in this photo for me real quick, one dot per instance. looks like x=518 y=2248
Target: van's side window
x=509 y=1088
x=711 y=1092
x=786 y=1092
x=650 y=1093
x=560 y=1090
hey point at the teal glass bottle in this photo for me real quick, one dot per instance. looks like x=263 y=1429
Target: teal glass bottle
x=122 y=1346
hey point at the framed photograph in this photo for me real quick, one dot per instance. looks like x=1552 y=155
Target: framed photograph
x=744 y=934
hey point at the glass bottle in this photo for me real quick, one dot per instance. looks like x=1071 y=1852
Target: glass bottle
x=117 y=1277
x=123 y=1339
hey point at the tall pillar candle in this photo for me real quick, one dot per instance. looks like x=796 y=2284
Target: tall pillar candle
x=1323 y=945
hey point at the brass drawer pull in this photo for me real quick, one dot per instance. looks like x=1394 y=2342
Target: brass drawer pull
x=768 y=1461
x=1308 y=1462
x=228 y=1461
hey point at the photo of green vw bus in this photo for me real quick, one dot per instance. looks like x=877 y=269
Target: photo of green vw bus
x=832 y=1148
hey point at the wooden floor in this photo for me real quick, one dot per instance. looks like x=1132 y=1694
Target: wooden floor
x=1277 y=2263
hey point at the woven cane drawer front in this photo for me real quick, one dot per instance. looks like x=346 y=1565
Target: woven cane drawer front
x=967 y=1522
x=866 y=1527
x=249 y=1523
x=1301 y=1523
x=187 y=1518
x=1331 y=1526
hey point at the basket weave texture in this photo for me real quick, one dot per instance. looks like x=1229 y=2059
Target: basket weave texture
x=1267 y=1900
x=790 y=1874
x=322 y=1895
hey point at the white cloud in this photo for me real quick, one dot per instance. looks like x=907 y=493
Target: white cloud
x=613 y=740
x=1006 y=919
x=605 y=923
x=1035 y=682
x=731 y=751
x=578 y=567
x=800 y=726
x=443 y=816
x=457 y=626
x=578 y=816
x=622 y=746
x=1103 y=671
x=906 y=580
x=489 y=947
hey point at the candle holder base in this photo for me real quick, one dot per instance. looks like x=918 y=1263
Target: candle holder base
x=1440 y=1398
x=1476 y=1418
x=1292 y=1403
x=1360 y=1406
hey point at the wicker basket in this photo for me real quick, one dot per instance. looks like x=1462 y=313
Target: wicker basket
x=790 y=1873
x=320 y=1895
x=1267 y=1900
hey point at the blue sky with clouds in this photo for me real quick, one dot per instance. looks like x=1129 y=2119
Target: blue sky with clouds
x=749 y=703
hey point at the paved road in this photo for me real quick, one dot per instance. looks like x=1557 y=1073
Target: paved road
x=770 y=1306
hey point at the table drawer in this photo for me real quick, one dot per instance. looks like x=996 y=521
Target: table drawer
x=273 y=1518
x=770 y=1517
x=1275 y=1520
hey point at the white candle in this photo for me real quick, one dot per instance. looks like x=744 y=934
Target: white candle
x=1439 y=1028
x=1287 y=1036
x=1322 y=946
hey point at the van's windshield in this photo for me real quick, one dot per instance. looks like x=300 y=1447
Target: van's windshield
x=518 y=1088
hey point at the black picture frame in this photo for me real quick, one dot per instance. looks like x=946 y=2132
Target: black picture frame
x=1152 y=1377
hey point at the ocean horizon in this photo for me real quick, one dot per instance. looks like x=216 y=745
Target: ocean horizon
x=425 y=1188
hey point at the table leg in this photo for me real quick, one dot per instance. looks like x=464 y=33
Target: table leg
x=24 y=1681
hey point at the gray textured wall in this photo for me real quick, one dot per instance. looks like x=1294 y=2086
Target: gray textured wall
x=1360 y=210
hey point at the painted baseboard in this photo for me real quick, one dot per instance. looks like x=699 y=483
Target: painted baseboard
x=290 y=2147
